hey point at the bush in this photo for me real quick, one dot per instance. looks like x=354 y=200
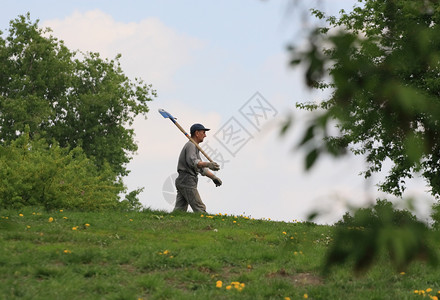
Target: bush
x=435 y=215
x=35 y=174
x=382 y=212
x=363 y=238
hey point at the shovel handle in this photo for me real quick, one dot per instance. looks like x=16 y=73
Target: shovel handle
x=191 y=139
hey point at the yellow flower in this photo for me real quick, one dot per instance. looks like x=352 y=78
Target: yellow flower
x=61 y=210
x=75 y=228
x=65 y=218
x=50 y=220
x=28 y=226
x=286 y=298
x=306 y=296
x=21 y=215
x=166 y=252
x=229 y=287
x=284 y=232
x=87 y=225
x=235 y=221
x=67 y=251
x=428 y=290
x=219 y=284
x=201 y=216
x=416 y=291
x=402 y=273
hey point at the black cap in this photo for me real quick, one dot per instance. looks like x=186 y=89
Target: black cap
x=197 y=127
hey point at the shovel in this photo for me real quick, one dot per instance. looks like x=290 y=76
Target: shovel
x=167 y=115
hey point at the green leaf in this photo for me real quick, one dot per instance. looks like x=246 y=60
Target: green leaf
x=311 y=158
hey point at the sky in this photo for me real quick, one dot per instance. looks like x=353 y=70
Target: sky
x=224 y=64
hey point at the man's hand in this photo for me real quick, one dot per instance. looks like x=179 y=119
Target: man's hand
x=217 y=181
x=213 y=166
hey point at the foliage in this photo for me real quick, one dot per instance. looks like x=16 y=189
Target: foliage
x=74 y=99
x=365 y=237
x=35 y=174
x=381 y=62
x=435 y=215
x=131 y=201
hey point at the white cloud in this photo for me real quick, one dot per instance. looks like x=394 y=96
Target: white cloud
x=150 y=49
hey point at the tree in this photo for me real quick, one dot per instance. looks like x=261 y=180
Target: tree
x=382 y=64
x=76 y=99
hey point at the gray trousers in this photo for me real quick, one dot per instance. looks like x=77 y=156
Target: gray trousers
x=187 y=194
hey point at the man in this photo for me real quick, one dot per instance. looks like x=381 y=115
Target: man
x=188 y=167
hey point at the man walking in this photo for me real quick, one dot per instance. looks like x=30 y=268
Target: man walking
x=188 y=167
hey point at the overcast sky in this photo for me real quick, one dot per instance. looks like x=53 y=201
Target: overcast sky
x=224 y=64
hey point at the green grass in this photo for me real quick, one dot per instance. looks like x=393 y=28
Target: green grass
x=157 y=255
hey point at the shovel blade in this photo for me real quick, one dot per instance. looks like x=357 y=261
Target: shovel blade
x=166 y=114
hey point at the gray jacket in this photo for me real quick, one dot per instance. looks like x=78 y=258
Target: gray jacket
x=187 y=166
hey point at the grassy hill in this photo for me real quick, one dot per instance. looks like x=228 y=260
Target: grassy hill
x=157 y=255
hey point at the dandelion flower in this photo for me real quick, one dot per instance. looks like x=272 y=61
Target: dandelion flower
x=219 y=284
x=65 y=218
x=87 y=225
x=286 y=298
x=402 y=273
x=229 y=287
x=75 y=228
x=131 y=220
x=61 y=210
x=28 y=227
x=21 y=215
x=306 y=296
x=428 y=290
x=50 y=220
x=67 y=251
x=284 y=232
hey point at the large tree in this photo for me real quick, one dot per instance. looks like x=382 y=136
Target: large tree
x=73 y=98
x=381 y=62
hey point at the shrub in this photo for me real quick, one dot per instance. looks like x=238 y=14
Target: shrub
x=35 y=174
x=382 y=212
x=364 y=237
